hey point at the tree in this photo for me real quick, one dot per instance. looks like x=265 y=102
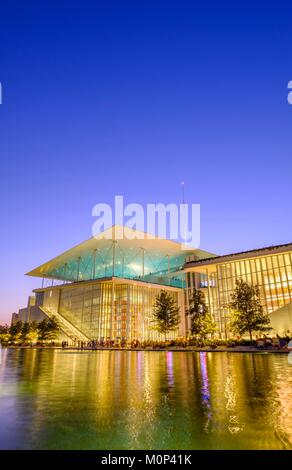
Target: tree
x=29 y=332
x=4 y=333
x=25 y=331
x=248 y=313
x=33 y=332
x=166 y=313
x=15 y=331
x=48 y=329
x=202 y=323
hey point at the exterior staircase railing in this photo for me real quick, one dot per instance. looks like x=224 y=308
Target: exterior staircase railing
x=70 y=330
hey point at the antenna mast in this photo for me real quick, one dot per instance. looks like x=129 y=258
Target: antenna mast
x=183 y=191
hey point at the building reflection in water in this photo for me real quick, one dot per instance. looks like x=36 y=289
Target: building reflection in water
x=169 y=366
x=205 y=390
x=153 y=400
x=234 y=425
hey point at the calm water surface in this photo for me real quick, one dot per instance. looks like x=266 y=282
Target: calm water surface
x=53 y=399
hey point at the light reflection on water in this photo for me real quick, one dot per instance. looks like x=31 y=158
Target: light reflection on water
x=53 y=399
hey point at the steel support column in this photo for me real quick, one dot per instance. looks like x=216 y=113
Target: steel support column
x=94 y=263
x=114 y=257
x=168 y=268
x=143 y=262
x=78 y=268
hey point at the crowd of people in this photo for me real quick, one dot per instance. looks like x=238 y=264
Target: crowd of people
x=268 y=343
x=95 y=344
x=264 y=343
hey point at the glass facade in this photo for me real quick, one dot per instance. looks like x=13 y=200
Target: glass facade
x=110 y=310
x=105 y=288
x=272 y=273
x=110 y=285
x=112 y=260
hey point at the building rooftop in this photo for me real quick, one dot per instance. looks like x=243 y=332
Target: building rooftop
x=265 y=251
x=120 y=252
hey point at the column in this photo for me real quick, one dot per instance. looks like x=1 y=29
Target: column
x=112 y=310
x=78 y=268
x=143 y=262
x=186 y=317
x=114 y=258
x=94 y=263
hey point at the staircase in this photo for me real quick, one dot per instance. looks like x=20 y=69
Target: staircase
x=70 y=330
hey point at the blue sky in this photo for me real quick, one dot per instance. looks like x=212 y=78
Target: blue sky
x=106 y=98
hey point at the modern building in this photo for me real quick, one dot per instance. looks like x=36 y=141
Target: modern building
x=269 y=268
x=30 y=313
x=105 y=288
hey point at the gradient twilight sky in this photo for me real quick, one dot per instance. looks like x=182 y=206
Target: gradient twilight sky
x=119 y=97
